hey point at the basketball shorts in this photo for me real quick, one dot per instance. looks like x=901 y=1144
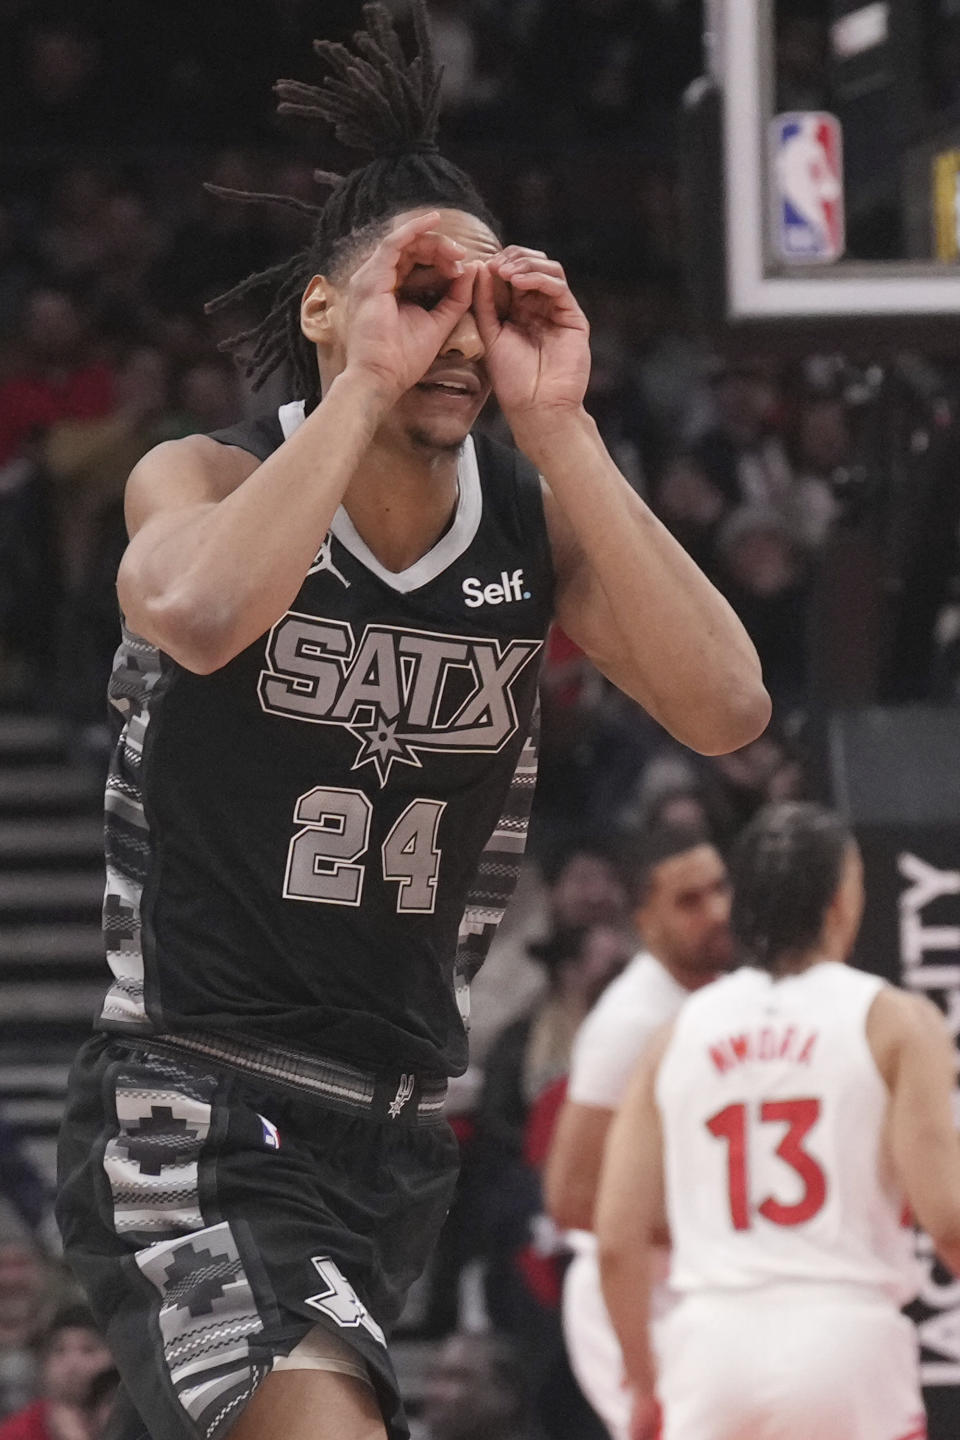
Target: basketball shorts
x=216 y=1216
x=793 y=1362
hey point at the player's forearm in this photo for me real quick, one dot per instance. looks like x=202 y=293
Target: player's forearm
x=206 y=591
x=625 y=1280
x=687 y=656
x=569 y=1196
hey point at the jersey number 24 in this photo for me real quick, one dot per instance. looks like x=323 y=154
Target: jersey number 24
x=799 y=1116
x=324 y=861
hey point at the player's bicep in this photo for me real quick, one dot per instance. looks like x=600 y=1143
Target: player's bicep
x=923 y=1135
x=169 y=497
x=582 y=609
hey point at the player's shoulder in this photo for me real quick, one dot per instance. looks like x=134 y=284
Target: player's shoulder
x=899 y=1023
x=903 y=1014
x=632 y=989
x=200 y=467
x=641 y=998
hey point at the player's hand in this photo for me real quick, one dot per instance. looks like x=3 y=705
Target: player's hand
x=646 y=1418
x=395 y=337
x=536 y=337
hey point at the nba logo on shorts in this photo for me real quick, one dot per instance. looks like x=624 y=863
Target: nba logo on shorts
x=807 y=187
x=271 y=1135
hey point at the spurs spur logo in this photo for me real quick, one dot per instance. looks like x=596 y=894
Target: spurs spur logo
x=404 y=1093
x=399 y=693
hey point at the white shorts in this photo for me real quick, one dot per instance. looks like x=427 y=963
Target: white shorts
x=793 y=1362
x=592 y=1345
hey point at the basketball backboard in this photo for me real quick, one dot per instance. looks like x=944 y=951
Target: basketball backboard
x=832 y=201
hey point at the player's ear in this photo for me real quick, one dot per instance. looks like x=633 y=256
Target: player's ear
x=316 y=319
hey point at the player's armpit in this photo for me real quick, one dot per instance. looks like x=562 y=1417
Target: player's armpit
x=573 y=1165
x=909 y=1040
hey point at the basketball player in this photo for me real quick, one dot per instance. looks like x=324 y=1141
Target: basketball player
x=333 y=619
x=775 y=1132
x=682 y=898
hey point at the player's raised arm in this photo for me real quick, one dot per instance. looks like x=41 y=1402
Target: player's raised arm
x=220 y=545
x=628 y=593
x=909 y=1040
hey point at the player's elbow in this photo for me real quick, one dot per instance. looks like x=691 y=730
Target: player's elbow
x=945 y=1236
x=613 y=1255
x=741 y=718
x=188 y=627
x=570 y=1207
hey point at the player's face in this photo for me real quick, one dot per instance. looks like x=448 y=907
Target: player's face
x=685 y=919
x=438 y=413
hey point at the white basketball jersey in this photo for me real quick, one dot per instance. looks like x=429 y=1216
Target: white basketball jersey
x=774 y=1116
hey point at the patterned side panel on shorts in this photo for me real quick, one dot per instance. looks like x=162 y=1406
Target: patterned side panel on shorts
x=207 y=1314
x=164 y=1118
x=498 y=871
x=135 y=683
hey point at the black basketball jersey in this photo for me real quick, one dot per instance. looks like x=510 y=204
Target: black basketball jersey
x=296 y=842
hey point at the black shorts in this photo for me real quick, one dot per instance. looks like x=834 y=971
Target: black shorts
x=214 y=1217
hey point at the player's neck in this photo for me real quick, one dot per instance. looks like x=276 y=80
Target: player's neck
x=689 y=979
x=401 y=504
x=799 y=963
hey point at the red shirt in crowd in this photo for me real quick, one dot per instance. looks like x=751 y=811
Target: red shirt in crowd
x=28 y=1424
x=32 y=403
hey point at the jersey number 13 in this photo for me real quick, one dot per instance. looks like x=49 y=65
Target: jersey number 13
x=799 y=1116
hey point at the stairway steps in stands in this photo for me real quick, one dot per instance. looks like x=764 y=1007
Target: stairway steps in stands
x=51 y=946
x=49 y=788
x=31 y=738
x=28 y=840
x=48 y=894
x=53 y=974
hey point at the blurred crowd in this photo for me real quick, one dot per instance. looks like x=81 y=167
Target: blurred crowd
x=777 y=477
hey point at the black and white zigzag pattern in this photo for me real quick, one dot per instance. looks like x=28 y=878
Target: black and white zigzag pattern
x=498 y=871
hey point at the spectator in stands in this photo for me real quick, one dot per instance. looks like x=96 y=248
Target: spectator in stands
x=72 y=1354
x=25 y=1288
x=61 y=91
x=86 y=467
x=822 y=448
x=59 y=376
x=213 y=244
x=760 y=566
x=587 y=887
x=475 y=1391
x=21 y=1184
x=89 y=459
x=739 y=459
x=208 y=396
x=73 y=239
x=101 y=1395
x=534 y=1051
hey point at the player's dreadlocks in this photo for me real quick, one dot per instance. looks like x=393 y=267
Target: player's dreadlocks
x=785 y=871
x=377 y=102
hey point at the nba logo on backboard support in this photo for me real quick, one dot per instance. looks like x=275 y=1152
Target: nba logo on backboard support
x=807 y=187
